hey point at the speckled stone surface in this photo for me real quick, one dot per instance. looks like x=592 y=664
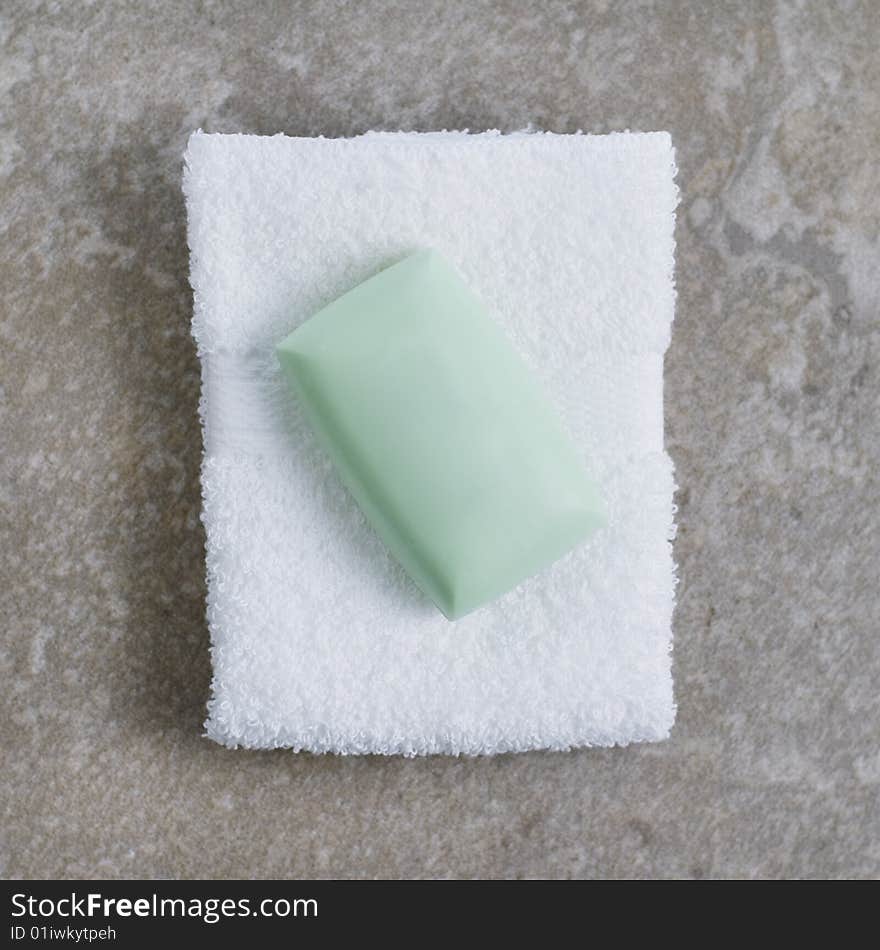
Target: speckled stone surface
x=772 y=410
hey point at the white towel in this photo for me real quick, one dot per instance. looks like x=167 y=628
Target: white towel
x=319 y=639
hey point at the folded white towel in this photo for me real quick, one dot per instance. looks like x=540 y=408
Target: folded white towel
x=319 y=639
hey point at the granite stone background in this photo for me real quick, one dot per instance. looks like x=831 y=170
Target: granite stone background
x=773 y=768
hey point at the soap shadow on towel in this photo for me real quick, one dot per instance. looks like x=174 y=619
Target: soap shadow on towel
x=161 y=681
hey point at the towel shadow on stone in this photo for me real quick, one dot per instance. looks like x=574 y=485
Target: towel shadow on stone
x=162 y=682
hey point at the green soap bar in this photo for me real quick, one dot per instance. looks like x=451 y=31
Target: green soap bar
x=441 y=433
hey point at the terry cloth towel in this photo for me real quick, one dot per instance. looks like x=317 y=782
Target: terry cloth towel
x=319 y=639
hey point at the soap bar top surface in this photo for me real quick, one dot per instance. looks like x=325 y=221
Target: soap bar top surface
x=441 y=433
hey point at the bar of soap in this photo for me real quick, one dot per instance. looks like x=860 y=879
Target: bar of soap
x=441 y=433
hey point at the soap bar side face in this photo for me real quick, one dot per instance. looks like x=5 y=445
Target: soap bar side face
x=441 y=433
